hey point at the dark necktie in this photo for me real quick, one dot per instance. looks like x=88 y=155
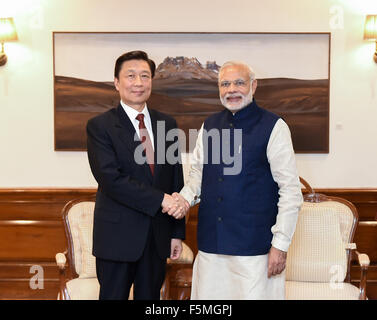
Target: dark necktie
x=146 y=141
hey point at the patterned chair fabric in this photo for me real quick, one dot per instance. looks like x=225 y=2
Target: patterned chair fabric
x=318 y=259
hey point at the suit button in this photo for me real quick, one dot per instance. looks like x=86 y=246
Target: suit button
x=219 y=199
x=221 y=179
x=231 y=125
x=220 y=219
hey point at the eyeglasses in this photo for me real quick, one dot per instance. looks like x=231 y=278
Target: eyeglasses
x=237 y=83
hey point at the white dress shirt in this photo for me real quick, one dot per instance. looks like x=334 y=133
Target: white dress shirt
x=282 y=161
x=132 y=114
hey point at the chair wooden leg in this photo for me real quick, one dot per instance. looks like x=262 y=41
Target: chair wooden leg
x=364 y=264
x=165 y=289
x=363 y=283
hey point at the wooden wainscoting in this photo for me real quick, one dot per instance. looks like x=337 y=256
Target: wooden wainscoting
x=31 y=233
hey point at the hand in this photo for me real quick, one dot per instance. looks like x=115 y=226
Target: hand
x=181 y=208
x=176 y=249
x=175 y=205
x=168 y=203
x=276 y=261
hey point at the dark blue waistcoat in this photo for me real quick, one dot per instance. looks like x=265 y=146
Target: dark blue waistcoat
x=237 y=211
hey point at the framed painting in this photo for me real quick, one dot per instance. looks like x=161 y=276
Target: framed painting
x=293 y=72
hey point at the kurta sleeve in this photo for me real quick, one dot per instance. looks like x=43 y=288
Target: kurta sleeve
x=282 y=161
x=192 y=189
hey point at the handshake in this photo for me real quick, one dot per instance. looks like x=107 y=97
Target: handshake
x=175 y=205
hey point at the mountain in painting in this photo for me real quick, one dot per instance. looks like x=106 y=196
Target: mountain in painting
x=186 y=69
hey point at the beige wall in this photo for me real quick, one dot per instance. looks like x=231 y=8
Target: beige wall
x=27 y=158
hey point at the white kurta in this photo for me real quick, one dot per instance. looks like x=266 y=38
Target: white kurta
x=218 y=276
x=225 y=277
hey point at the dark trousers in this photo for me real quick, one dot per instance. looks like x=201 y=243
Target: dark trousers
x=147 y=274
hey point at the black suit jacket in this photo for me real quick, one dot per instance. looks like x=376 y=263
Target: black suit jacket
x=129 y=197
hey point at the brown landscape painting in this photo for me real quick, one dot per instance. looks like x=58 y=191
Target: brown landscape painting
x=187 y=90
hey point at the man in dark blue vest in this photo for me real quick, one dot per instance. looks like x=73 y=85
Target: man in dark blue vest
x=244 y=174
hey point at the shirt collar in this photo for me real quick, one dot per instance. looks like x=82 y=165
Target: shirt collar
x=132 y=113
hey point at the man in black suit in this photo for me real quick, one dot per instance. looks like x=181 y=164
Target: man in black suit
x=135 y=229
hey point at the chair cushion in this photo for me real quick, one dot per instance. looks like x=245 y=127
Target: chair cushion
x=83 y=289
x=317 y=252
x=295 y=290
x=87 y=289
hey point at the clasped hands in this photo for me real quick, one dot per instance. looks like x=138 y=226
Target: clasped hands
x=175 y=205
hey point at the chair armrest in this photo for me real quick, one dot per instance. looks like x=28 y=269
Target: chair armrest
x=351 y=246
x=60 y=260
x=364 y=264
x=363 y=259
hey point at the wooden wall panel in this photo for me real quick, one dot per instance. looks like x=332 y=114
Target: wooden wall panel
x=31 y=233
x=30 y=210
x=31 y=240
x=15 y=278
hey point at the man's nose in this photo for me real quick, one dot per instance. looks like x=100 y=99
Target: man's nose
x=138 y=81
x=232 y=88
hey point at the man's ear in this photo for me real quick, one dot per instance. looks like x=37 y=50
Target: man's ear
x=116 y=83
x=254 y=85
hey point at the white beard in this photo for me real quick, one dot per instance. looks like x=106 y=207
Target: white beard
x=246 y=100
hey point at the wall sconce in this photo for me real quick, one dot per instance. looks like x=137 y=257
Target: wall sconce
x=7 y=33
x=370 y=31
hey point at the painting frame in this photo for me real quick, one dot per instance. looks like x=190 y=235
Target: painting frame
x=323 y=134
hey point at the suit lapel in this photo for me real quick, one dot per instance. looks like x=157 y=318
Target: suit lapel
x=126 y=130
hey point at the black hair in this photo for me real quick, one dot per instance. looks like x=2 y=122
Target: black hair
x=133 y=55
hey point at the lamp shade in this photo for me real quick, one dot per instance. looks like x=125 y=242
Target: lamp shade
x=7 y=30
x=370 y=28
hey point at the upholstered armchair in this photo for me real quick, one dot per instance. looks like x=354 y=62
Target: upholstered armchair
x=77 y=267
x=319 y=258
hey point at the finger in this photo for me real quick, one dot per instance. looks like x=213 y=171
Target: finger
x=172 y=211
x=281 y=268
x=174 y=255
x=176 y=212
x=269 y=273
x=277 y=270
x=180 y=215
x=179 y=251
